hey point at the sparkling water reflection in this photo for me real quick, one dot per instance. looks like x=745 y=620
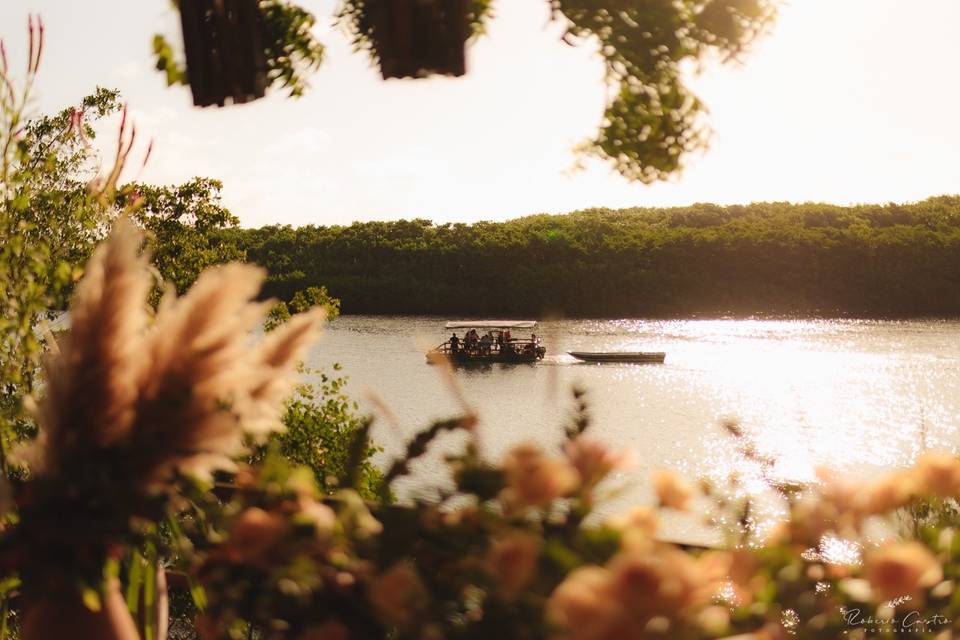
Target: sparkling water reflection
x=857 y=396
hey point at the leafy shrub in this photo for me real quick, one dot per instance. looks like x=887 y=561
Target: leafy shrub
x=321 y=424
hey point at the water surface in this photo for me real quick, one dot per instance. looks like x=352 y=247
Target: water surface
x=857 y=396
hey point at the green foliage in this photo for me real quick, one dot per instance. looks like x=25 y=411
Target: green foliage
x=472 y=565
x=321 y=423
x=278 y=314
x=25 y=295
x=921 y=516
x=310 y=297
x=53 y=173
x=303 y=530
x=653 y=119
x=301 y=301
x=290 y=49
x=176 y=73
x=52 y=205
x=182 y=221
x=765 y=258
x=49 y=222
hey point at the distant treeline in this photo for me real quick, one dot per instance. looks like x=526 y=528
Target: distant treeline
x=766 y=258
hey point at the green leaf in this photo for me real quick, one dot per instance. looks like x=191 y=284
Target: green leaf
x=91 y=598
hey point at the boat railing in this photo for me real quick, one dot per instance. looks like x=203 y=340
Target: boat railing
x=514 y=345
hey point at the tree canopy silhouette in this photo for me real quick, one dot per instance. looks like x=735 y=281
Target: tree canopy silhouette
x=652 y=119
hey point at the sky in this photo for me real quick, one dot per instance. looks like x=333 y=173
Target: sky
x=846 y=101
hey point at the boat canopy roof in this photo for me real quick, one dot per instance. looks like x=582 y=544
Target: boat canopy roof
x=492 y=324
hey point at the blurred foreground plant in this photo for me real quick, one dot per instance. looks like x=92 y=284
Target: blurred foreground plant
x=132 y=403
x=482 y=558
x=510 y=552
x=139 y=410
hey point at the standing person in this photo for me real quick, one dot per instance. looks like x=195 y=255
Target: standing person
x=454 y=344
x=507 y=337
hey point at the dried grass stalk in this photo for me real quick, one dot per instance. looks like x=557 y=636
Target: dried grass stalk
x=182 y=394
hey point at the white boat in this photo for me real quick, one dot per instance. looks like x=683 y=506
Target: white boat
x=650 y=357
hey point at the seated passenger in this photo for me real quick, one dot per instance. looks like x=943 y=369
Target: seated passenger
x=485 y=343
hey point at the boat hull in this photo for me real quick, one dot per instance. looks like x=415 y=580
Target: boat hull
x=523 y=357
x=636 y=357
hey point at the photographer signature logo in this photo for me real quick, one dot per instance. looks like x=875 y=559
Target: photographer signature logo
x=906 y=621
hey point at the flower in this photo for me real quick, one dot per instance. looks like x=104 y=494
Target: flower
x=593 y=460
x=92 y=375
x=180 y=395
x=890 y=492
x=513 y=560
x=582 y=606
x=745 y=580
x=637 y=528
x=206 y=389
x=672 y=492
x=841 y=505
x=320 y=516
x=641 y=518
x=845 y=494
x=714 y=620
x=535 y=480
x=938 y=473
x=255 y=532
x=355 y=517
x=398 y=595
x=659 y=587
x=900 y=569
x=663 y=582
x=810 y=518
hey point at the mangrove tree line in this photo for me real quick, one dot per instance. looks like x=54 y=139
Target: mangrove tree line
x=763 y=258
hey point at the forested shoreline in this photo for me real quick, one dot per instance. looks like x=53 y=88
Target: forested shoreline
x=765 y=258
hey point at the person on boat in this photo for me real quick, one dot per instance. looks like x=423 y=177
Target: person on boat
x=507 y=337
x=454 y=344
x=485 y=343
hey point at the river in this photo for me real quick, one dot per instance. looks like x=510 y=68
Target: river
x=857 y=396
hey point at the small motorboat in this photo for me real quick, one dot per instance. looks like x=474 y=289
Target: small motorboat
x=648 y=357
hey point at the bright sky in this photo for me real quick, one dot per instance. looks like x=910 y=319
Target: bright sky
x=847 y=101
